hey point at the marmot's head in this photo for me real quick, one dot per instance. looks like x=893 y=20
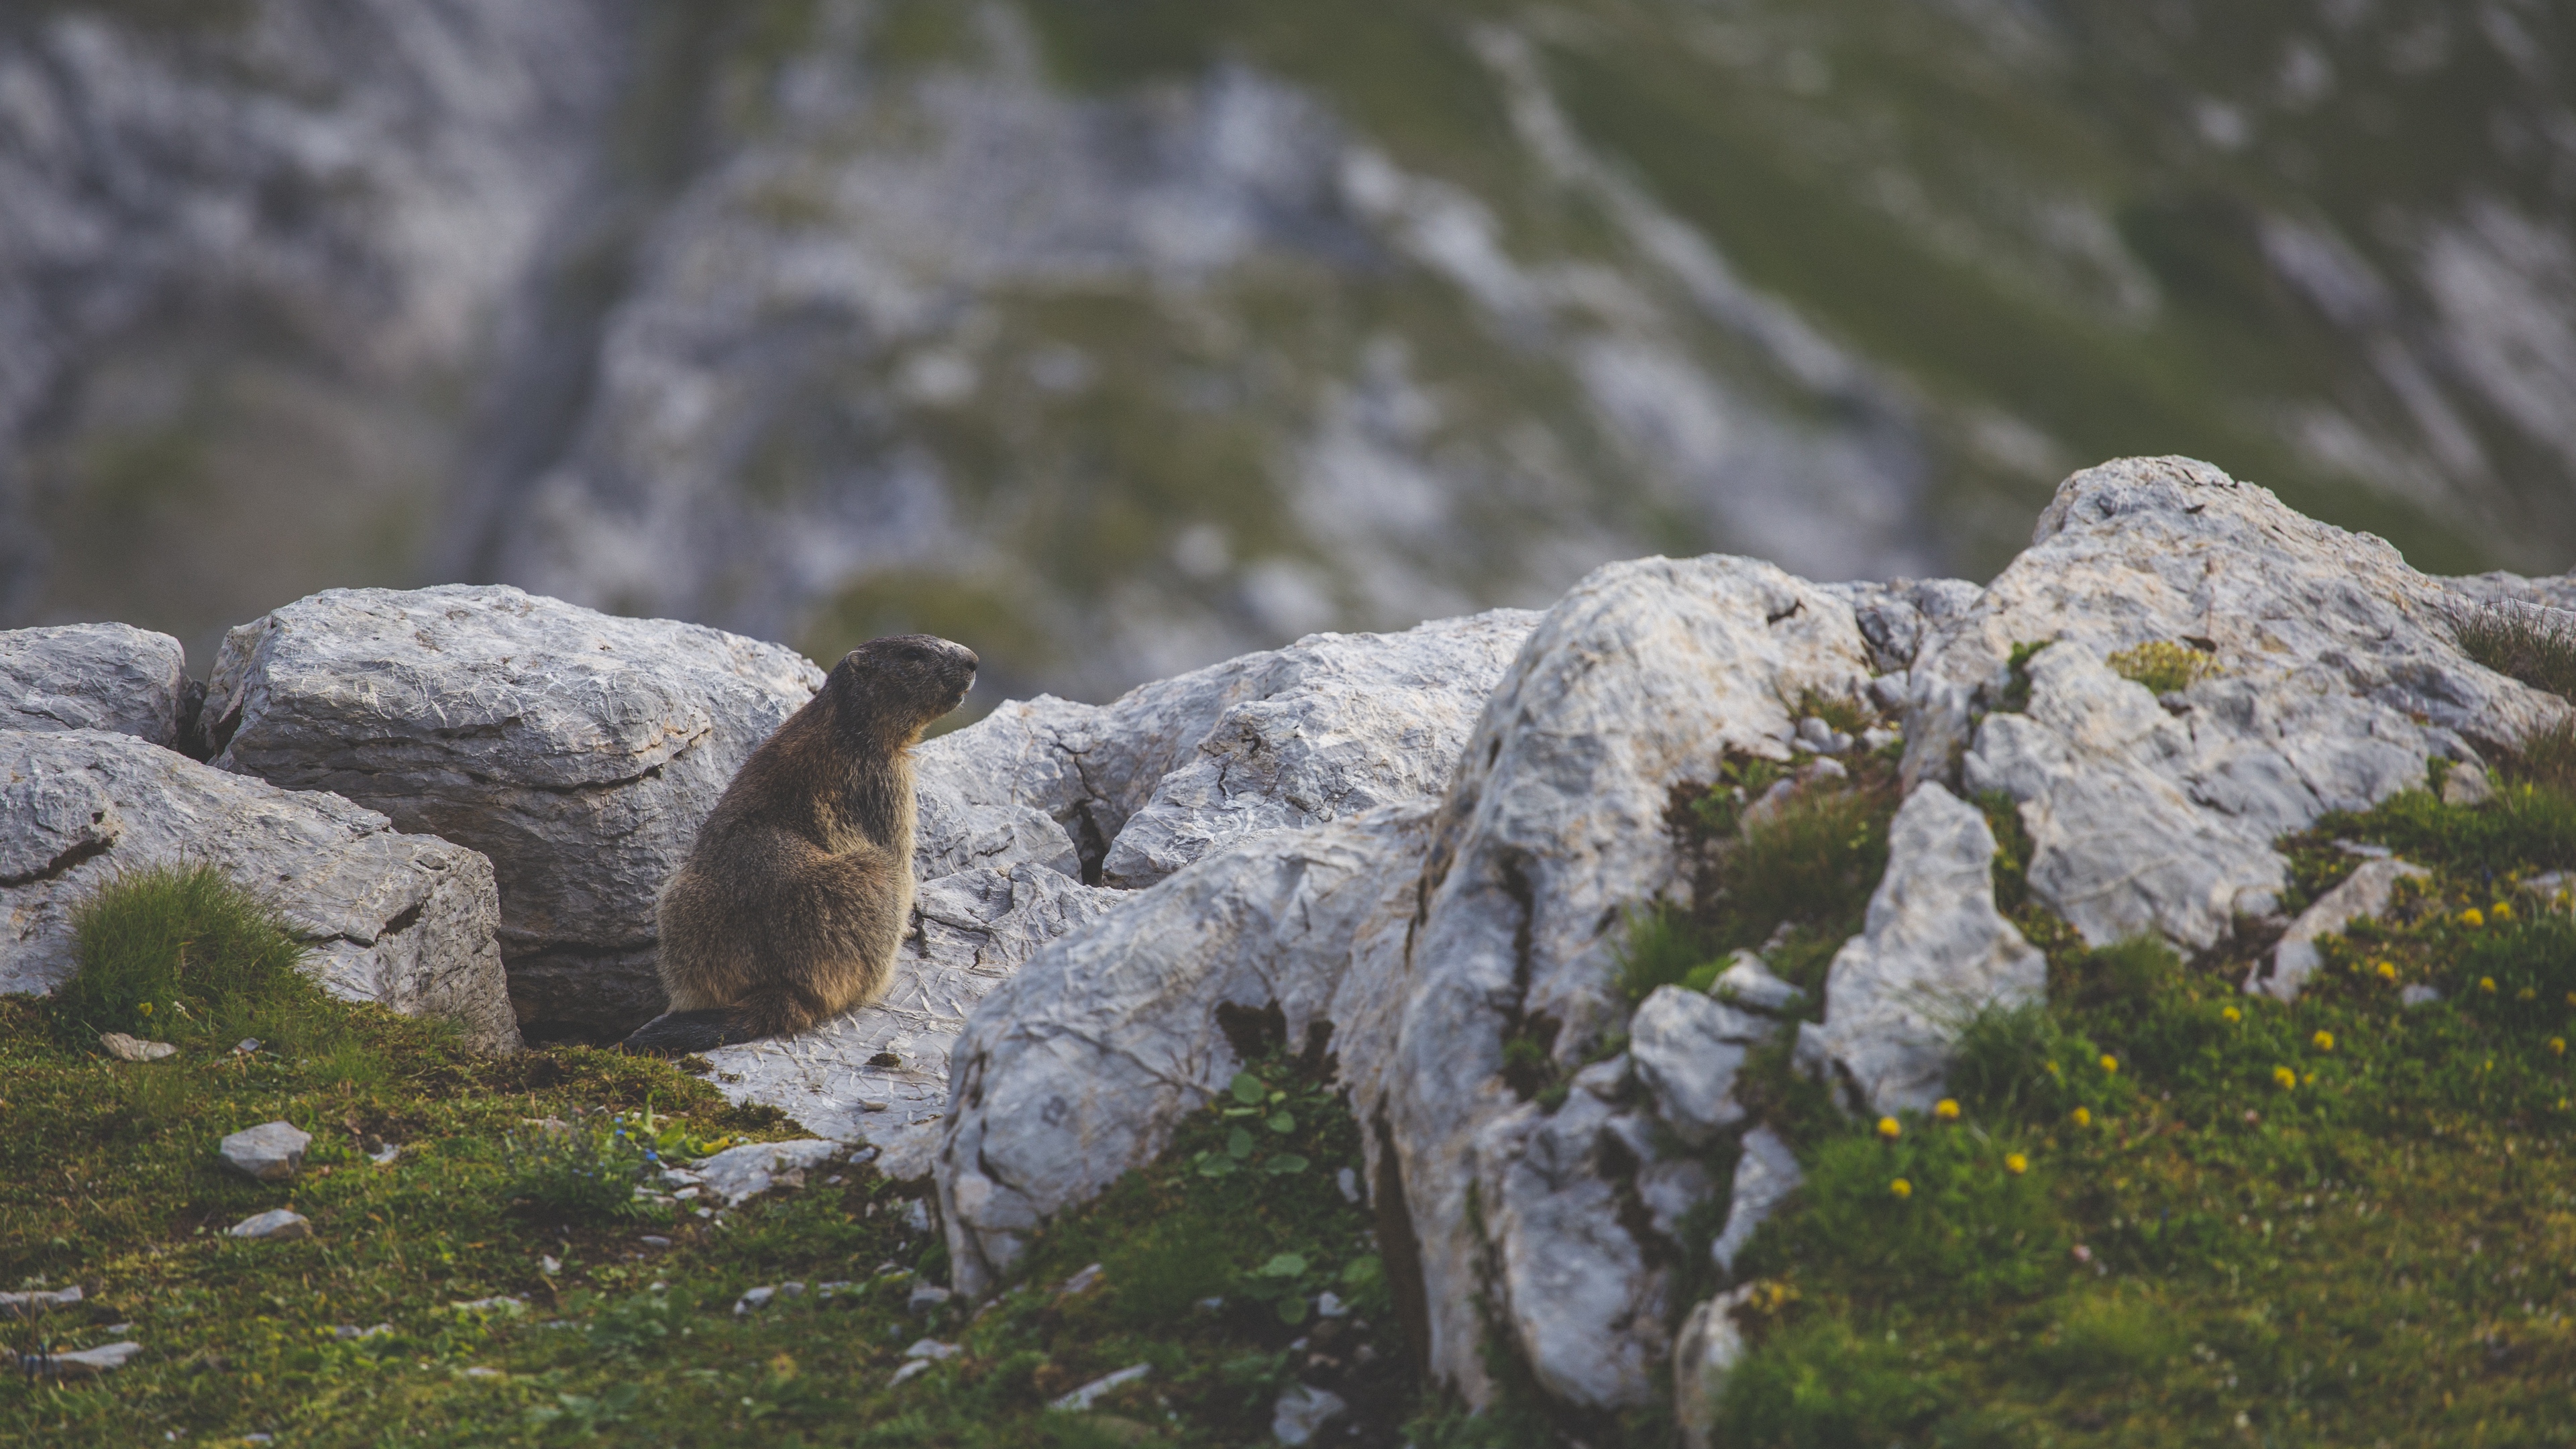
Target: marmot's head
x=889 y=689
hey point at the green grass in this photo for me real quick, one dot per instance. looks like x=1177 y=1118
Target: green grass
x=2521 y=642
x=109 y=1179
x=183 y=954
x=2339 y=1221
x=2164 y=666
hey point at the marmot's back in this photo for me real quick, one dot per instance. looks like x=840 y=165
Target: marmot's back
x=796 y=894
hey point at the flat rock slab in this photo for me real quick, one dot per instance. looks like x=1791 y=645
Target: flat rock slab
x=88 y=1363
x=406 y=921
x=270 y=1152
x=111 y=677
x=34 y=1302
x=577 y=750
x=277 y=1225
x=134 y=1049
x=738 y=1174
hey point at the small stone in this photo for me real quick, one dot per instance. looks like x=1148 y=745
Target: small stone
x=480 y=1372
x=1349 y=1184
x=1765 y=1174
x=2467 y=785
x=932 y=1348
x=349 y=1331
x=739 y=1174
x=134 y=1049
x=1081 y=1282
x=269 y=1152
x=1083 y=1398
x=2418 y=996
x=654 y=1241
x=549 y=1264
x=89 y=1363
x=753 y=1298
x=925 y=1297
x=1303 y=1411
x=913 y=1369
x=36 y=1301
x=1329 y=1305
x=275 y=1225
x=1704 y=1355
x=246 y=1045
x=916 y=1215
x=384 y=1156
x=1747 y=982
x=871 y=1104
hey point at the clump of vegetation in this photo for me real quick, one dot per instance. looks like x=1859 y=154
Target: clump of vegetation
x=2158 y=1210
x=2016 y=691
x=177 y=954
x=2164 y=666
x=581 y=1170
x=2527 y=643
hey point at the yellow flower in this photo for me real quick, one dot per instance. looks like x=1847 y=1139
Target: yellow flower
x=2052 y=1066
x=2016 y=1164
x=2110 y=1064
x=2558 y=1045
x=1946 y=1109
x=1901 y=1188
x=2387 y=971
x=2501 y=910
x=1888 y=1128
x=147 y=1008
x=2472 y=917
x=2324 y=1041
x=2082 y=1117
x=2285 y=1077
x=2232 y=1014
x=2487 y=984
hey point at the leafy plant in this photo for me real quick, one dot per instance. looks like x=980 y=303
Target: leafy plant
x=580 y=1171
x=2164 y=666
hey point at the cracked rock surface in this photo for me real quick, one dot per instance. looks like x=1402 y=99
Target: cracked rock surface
x=576 y=750
x=97 y=677
x=404 y=920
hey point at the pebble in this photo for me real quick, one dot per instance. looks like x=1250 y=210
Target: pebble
x=753 y=1298
x=1083 y=1398
x=1329 y=1305
x=89 y=1363
x=497 y=1303
x=916 y=1367
x=134 y=1049
x=654 y=1240
x=274 y=1226
x=246 y=1045
x=1348 y=1182
x=1082 y=1281
x=384 y=1156
x=35 y=1301
x=925 y=1297
x=1303 y=1411
x=269 y=1152
x=932 y=1348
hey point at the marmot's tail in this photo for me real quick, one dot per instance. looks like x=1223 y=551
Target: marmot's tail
x=677 y=1033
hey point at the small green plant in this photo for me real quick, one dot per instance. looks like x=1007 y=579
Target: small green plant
x=185 y=954
x=2519 y=640
x=1663 y=947
x=2163 y=666
x=1819 y=1385
x=2104 y=1337
x=2546 y=760
x=580 y=1171
x=2016 y=694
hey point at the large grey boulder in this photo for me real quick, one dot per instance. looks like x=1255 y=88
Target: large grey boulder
x=1933 y=952
x=1417 y=944
x=97 y=677
x=1021 y=808
x=407 y=921
x=2337 y=679
x=576 y=750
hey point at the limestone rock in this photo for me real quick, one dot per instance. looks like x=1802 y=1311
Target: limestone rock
x=1704 y=1353
x=277 y=1225
x=739 y=1174
x=576 y=750
x=1933 y=951
x=1687 y=1049
x=2364 y=895
x=1586 y=1299
x=36 y=1302
x=1748 y=983
x=270 y=1152
x=2337 y=679
x=1079 y=1067
x=1765 y=1174
x=406 y=921
x=1303 y=1412
x=2468 y=785
x=111 y=677
x=134 y=1049
x=88 y=1363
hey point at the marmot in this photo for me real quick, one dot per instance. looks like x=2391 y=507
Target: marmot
x=799 y=887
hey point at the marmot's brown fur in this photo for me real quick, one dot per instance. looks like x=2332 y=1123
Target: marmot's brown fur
x=799 y=887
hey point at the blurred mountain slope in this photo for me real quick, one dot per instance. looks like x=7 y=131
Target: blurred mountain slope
x=1113 y=336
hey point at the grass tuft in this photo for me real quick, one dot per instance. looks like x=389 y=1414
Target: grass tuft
x=185 y=954
x=2526 y=643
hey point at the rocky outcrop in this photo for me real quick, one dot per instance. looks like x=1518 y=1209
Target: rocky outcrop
x=1020 y=809
x=98 y=677
x=577 y=751
x=407 y=921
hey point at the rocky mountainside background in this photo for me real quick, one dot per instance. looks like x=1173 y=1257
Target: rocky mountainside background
x=1120 y=338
